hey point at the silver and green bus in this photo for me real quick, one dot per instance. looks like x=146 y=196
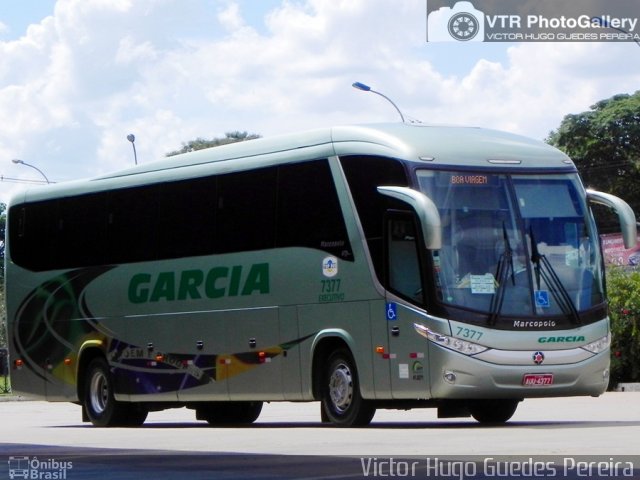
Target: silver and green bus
x=377 y=266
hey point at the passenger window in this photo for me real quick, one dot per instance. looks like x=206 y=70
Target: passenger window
x=364 y=175
x=309 y=213
x=246 y=211
x=187 y=218
x=132 y=224
x=80 y=237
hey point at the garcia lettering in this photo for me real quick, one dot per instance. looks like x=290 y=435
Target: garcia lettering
x=569 y=339
x=215 y=283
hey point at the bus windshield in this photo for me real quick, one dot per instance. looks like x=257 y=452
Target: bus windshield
x=517 y=245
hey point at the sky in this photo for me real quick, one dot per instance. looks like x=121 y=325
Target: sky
x=78 y=76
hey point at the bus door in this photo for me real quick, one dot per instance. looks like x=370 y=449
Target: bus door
x=407 y=353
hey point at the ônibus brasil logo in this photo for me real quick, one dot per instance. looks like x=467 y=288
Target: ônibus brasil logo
x=27 y=467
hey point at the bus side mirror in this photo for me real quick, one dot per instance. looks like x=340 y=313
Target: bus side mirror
x=625 y=214
x=426 y=210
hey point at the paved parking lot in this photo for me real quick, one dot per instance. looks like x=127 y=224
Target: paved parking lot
x=288 y=441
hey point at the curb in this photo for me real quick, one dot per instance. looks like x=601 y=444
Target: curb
x=628 y=387
x=13 y=398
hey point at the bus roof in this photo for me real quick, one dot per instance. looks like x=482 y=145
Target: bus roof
x=432 y=145
x=449 y=145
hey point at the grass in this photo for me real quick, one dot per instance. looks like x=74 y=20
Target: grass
x=5 y=386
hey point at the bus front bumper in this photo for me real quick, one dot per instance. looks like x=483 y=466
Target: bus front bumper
x=455 y=375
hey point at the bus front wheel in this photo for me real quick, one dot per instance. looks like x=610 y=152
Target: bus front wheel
x=99 y=403
x=342 y=404
x=493 y=411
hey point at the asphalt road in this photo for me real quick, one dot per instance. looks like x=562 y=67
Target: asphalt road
x=578 y=437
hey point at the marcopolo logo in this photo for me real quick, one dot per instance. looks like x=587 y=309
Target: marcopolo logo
x=532 y=20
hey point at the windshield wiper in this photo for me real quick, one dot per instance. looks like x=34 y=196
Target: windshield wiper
x=504 y=264
x=543 y=269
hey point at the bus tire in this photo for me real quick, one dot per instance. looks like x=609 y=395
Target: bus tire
x=229 y=413
x=134 y=415
x=493 y=411
x=101 y=407
x=341 y=402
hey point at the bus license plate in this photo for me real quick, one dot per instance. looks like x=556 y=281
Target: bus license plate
x=537 y=379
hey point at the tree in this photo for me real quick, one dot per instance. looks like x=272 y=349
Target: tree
x=3 y=318
x=201 y=143
x=604 y=143
x=624 y=310
x=3 y=222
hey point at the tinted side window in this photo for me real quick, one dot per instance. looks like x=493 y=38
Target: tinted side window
x=364 y=175
x=280 y=206
x=133 y=224
x=246 y=211
x=309 y=213
x=29 y=227
x=81 y=231
x=187 y=217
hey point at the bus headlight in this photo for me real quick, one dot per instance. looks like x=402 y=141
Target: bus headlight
x=452 y=343
x=599 y=345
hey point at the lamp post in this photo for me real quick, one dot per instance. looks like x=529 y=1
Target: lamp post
x=602 y=22
x=21 y=162
x=367 y=88
x=132 y=138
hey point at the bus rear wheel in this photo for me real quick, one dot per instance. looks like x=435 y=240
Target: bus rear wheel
x=341 y=402
x=99 y=403
x=493 y=411
x=229 y=413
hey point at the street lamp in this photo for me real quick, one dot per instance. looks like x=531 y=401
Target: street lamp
x=367 y=88
x=132 y=138
x=603 y=22
x=21 y=162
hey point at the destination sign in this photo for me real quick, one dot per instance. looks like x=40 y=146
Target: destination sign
x=469 y=180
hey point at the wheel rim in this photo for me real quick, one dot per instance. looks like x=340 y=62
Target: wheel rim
x=99 y=392
x=341 y=388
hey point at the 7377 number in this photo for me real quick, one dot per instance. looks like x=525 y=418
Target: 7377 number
x=469 y=333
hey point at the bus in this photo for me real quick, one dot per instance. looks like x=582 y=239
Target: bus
x=390 y=266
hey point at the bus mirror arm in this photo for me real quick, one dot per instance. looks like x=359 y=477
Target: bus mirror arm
x=426 y=210
x=625 y=214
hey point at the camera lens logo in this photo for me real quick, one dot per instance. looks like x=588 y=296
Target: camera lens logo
x=460 y=23
x=463 y=26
